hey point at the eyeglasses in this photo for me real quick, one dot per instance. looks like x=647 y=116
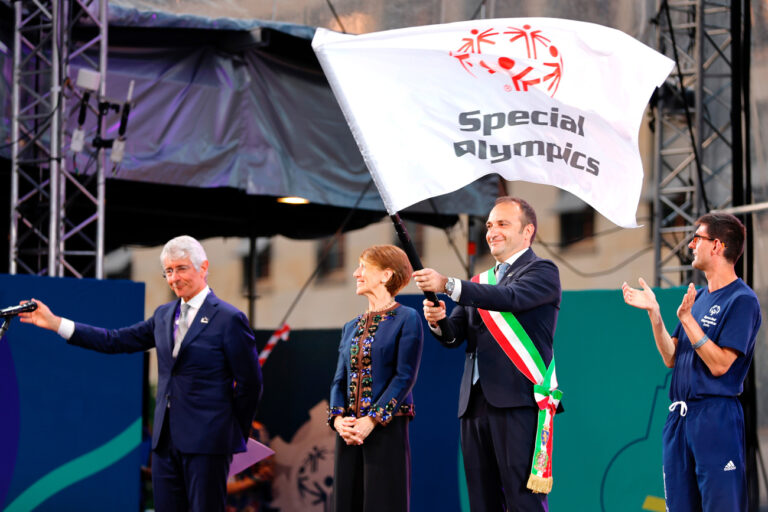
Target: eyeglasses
x=703 y=237
x=181 y=269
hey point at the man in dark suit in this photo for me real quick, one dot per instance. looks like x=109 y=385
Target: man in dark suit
x=496 y=401
x=209 y=379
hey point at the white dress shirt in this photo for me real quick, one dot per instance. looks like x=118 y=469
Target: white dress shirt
x=195 y=303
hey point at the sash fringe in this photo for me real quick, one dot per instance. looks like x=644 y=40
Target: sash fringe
x=539 y=484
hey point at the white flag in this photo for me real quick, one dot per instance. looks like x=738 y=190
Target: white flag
x=543 y=100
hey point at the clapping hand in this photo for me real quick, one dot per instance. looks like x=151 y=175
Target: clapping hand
x=640 y=298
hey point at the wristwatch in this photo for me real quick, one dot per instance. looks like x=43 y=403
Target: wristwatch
x=449 y=286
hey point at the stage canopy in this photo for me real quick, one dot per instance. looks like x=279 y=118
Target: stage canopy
x=228 y=115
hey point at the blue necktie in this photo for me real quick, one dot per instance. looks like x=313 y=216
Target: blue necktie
x=501 y=270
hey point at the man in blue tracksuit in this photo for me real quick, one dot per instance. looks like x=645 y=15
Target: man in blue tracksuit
x=710 y=351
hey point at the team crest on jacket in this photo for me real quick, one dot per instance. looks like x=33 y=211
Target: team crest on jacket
x=519 y=58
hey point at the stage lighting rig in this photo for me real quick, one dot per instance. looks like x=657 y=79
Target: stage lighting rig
x=117 y=145
x=88 y=80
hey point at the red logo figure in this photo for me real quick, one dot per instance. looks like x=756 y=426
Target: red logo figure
x=528 y=59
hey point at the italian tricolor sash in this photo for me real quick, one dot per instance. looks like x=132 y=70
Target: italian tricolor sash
x=519 y=347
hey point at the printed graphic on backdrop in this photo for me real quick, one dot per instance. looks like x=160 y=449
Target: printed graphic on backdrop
x=304 y=467
x=542 y=100
x=624 y=461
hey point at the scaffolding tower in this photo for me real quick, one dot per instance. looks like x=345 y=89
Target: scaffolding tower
x=700 y=159
x=57 y=214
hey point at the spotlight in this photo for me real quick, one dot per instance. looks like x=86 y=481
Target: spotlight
x=292 y=200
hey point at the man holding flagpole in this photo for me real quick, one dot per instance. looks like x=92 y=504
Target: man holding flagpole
x=508 y=395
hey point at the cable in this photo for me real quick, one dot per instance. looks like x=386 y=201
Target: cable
x=593 y=274
x=338 y=20
x=688 y=120
x=477 y=11
x=30 y=136
x=67 y=83
x=594 y=235
x=324 y=254
x=451 y=242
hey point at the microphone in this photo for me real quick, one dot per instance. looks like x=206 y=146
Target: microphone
x=12 y=311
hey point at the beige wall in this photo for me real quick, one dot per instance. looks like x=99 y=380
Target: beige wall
x=331 y=302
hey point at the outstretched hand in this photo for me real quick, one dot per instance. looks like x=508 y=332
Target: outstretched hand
x=640 y=298
x=41 y=317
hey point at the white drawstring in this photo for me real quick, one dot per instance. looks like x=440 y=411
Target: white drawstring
x=683 y=407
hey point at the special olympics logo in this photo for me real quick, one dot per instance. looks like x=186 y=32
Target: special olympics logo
x=714 y=310
x=513 y=43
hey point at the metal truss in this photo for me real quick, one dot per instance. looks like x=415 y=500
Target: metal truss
x=698 y=144
x=57 y=216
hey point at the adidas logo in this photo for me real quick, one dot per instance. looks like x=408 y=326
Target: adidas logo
x=730 y=466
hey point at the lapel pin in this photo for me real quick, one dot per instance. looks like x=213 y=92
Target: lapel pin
x=204 y=320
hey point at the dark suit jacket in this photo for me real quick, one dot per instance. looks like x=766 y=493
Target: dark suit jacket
x=531 y=291
x=214 y=384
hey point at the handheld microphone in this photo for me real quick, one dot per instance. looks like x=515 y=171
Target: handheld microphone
x=12 y=311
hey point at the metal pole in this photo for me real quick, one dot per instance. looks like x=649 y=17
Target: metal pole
x=252 y=277
x=16 y=101
x=657 y=213
x=413 y=257
x=54 y=226
x=101 y=178
x=698 y=200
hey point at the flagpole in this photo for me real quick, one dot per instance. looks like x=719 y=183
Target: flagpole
x=413 y=257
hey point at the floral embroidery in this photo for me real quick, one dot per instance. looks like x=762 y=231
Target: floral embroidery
x=384 y=414
x=360 y=396
x=333 y=412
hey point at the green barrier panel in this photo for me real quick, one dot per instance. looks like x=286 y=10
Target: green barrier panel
x=608 y=441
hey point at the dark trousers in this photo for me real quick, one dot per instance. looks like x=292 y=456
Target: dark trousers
x=497 y=445
x=703 y=454
x=184 y=482
x=374 y=476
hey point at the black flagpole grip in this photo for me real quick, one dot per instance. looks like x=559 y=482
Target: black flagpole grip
x=413 y=257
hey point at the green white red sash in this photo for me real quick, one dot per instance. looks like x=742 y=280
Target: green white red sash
x=520 y=349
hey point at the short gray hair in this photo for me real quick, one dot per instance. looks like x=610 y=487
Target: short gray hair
x=184 y=247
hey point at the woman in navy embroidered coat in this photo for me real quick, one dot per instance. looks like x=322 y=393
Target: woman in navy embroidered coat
x=371 y=401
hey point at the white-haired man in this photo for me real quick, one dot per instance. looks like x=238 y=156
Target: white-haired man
x=209 y=379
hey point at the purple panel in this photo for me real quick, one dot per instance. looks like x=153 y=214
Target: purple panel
x=9 y=417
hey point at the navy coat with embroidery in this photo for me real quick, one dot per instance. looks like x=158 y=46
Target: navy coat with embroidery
x=395 y=358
